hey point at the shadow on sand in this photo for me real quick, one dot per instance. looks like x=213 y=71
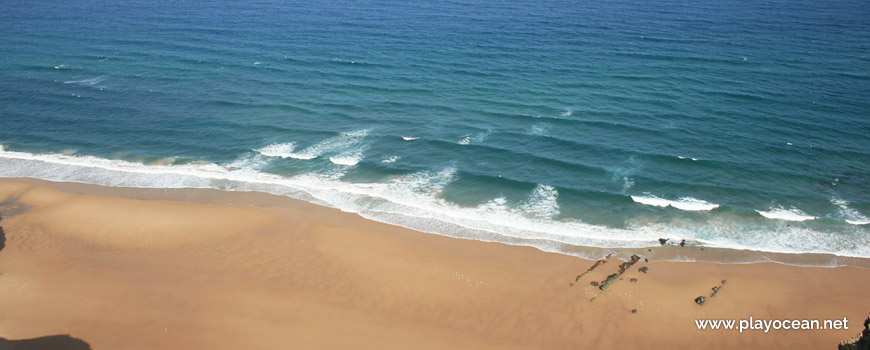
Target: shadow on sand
x=52 y=342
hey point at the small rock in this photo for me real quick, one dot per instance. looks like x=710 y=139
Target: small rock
x=634 y=311
x=662 y=241
x=643 y=269
x=633 y=280
x=645 y=260
x=700 y=300
x=683 y=243
x=594 y=284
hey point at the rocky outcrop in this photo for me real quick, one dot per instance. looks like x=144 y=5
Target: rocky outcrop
x=596 y=264
x=2 y=236
x=860 y=341
x=622 y=268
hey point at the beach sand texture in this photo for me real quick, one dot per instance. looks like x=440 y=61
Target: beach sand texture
x=208 y=270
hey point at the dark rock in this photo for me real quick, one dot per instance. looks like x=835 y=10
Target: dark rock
x=634 y=311
x=715 y=290
x=700 y=300
x=64 y=342
x=858 y=342
x=633 y=280
x=594 y=283
x=596 y=264
x=643 y=269
x=608 y=281
x=723 y=281
x=645 y=260
x=622 y=268
x=2 y=238
x=683 y=243
x=662 y=241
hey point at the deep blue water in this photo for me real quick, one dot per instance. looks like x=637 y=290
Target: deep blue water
x=733 y=123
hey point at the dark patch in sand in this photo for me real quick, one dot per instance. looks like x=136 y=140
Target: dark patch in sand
x=52 y=342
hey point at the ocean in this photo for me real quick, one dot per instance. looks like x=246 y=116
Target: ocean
x=554 y=124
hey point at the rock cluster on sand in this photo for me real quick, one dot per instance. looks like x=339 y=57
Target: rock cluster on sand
x=2 y=236
x=622 y=268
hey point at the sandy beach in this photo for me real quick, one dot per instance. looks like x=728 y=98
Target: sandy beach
x=204 y=269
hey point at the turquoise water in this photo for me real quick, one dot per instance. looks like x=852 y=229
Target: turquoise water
x=736 y=124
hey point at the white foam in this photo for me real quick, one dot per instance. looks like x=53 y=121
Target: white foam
x=332 y=144
x=539 y=129
x=87 y=82
x=408 y=138
x=780 y=213
x=283 y=150
x=684 y=203
x=849 y=214
x=350 y=156
x=391 y=159
x=542 y=203
x=469 y=139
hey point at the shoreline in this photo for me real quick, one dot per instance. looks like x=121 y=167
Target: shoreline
x=671 y=251
x=409 y=207
x=144 y=268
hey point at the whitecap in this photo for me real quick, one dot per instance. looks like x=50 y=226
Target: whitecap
x=469 y=139
x=86 y=82
x=346 y=161
x=332 y=144
x=542 y=203
x=408 y=138
x=684 y=203
x=391 y=159
x=780 y=213
x=849 y=214
x=283 y=150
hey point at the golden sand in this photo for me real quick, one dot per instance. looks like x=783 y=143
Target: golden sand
x=192 y=272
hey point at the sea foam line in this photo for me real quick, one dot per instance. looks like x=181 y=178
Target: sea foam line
x=413 y=201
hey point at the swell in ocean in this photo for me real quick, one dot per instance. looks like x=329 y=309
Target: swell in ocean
x=415 y=201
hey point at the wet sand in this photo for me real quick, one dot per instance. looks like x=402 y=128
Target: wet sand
x=201 y=269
